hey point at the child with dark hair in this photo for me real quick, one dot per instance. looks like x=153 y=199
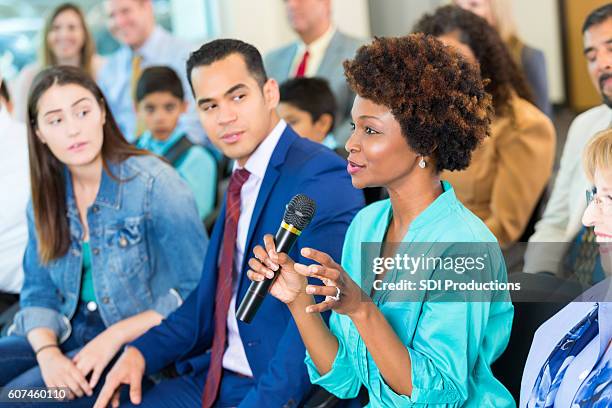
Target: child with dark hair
x=308 y=106
x=159 y=105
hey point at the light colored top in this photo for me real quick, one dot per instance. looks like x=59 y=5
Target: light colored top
x=330 y=142
x=561 y=220
x=597 y=352
x=21 y=88
x=235 y=358
x=451 y=344
x=161 y=48
x=15 y=186
x=508 y=171
x=316 y=52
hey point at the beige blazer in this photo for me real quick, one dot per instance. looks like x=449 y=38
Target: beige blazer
x=508 y=171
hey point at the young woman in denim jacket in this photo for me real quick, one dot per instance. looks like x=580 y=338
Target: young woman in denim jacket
x=115 y=241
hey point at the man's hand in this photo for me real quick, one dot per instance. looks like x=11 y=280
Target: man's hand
x=129 y=369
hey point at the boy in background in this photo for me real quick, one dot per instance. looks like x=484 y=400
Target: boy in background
x=308 y=106
x=159 y=104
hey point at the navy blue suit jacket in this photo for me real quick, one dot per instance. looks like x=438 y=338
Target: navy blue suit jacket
x=272 y=342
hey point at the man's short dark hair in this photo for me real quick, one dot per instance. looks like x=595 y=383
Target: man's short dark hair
x=217 y=50
x=597 y=16
x=311 y=95
x=4 y=93
x=159 y=79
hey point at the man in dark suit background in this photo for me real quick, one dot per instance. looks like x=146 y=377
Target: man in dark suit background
x=221 y=361
x=319 y=51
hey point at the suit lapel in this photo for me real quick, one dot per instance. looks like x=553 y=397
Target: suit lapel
x=288 y=61
x=267 y=185
x=215 y=243
x=269 y=181
x=330 y=59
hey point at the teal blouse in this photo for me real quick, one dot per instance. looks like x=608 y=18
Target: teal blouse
x=451 y=344
x=87 y=287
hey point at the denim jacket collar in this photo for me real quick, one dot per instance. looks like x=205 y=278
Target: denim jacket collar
x=109 y=193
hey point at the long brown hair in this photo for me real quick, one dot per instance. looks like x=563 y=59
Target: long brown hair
x=47 y=179
x=496 y=64
x=89 y=46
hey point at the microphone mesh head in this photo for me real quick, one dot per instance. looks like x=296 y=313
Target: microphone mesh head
x=299 y=211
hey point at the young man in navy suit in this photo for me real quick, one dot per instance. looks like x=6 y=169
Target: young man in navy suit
x=220 y=361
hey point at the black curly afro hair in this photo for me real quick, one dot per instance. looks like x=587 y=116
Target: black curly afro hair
x=437 y=97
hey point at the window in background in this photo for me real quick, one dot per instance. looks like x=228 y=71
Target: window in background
x=22 y=23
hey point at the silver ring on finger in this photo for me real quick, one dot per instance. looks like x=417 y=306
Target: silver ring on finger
x=337 y=297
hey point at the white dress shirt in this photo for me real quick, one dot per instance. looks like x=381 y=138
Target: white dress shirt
x=562 y=218
x=235 y=358
x=15 y=187
x=316 y=52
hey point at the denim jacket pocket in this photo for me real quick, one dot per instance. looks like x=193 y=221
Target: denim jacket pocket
x=125 y=241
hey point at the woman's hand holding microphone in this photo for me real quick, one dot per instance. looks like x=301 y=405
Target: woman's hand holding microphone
x=341 y=293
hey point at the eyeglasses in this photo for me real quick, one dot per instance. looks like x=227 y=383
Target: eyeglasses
x=604 y=202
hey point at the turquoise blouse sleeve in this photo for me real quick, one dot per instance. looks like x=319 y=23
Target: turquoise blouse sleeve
x=441 y=356
x=341 y=380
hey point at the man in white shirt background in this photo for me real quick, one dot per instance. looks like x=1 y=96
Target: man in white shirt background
x=561 y=225
x=144 y=43
x=14 y=195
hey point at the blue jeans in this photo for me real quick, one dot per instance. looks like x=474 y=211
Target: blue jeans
x=18 y=365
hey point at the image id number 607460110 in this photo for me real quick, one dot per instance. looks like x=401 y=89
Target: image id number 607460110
x=40 y=394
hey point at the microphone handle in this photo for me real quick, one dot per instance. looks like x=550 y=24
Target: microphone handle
x=284 y=240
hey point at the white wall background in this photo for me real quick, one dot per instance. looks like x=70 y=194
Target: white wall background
x=396 y=17
x=538 y=24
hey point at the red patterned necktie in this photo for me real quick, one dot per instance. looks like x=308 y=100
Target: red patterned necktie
x=301 y=70
x=225 y=283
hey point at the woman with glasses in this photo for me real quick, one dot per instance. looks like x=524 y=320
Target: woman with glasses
x=570 y=361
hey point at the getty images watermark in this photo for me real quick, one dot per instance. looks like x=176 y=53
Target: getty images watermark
x=436 y=272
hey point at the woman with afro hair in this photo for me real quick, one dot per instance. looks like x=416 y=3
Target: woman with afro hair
x=420 y=109
x=510 y=170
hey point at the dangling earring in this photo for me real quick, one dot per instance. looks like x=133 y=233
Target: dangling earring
x=422 y=163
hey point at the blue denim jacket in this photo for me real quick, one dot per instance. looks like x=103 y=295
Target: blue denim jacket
x=148 y=246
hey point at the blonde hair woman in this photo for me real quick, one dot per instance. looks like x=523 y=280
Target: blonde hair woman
x=66 y=40
x=499 y=14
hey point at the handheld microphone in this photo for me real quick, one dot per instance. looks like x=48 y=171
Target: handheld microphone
x=298 y=214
